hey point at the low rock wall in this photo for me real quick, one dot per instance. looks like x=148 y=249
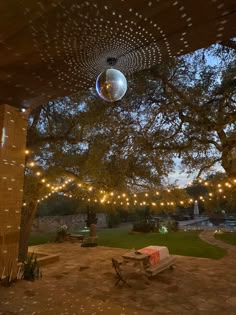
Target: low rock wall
x=74 y=222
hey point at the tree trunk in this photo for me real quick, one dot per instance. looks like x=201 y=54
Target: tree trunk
x=27 y=217
x=229 y=163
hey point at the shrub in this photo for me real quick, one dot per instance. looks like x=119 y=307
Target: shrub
x=173 y=226
x=142 y=226
x=31 y=269
x=6 y=279
x=113 y=220
x=61 y=234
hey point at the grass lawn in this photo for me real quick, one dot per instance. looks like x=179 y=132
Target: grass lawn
x=228 y=237
x=39 y=238
x=178 y=243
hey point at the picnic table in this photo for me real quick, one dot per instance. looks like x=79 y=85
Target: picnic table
x=136 y=257
x=151 y=259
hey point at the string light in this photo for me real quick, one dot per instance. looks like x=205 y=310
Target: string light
x=144 y=203
x=161 y=194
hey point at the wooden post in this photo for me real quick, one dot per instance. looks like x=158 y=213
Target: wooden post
x=13 y=130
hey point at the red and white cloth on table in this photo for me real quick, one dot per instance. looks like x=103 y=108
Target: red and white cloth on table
x=155 y=253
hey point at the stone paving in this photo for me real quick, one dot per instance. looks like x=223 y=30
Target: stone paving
x=82 y=282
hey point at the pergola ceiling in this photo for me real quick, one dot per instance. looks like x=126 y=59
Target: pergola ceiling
x=55 y=48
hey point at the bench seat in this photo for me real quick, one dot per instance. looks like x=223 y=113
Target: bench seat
x=167 y=262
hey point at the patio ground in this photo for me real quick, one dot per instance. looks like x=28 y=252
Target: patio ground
x=82 y=282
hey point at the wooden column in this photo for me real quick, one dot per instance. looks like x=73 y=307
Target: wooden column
x=13 y=130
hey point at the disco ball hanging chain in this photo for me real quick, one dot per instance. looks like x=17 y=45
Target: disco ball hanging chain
x=111 y=84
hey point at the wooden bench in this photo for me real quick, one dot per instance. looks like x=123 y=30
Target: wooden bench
x=166 y=263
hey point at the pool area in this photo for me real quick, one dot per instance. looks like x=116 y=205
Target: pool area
x=230 y=223
x=209 y=224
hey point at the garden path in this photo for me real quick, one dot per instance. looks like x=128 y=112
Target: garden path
x=208 y=236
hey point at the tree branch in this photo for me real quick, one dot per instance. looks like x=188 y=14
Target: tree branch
x=207 y=167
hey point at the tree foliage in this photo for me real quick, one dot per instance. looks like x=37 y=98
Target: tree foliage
x=183 y=108
x=59 y=205
x=198 y=107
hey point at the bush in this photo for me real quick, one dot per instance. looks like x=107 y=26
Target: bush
x=6 y=279
x=142 y=227
x=31 y=269
x=61 y=234
x=113 y=220
x=151 y=226
x=173 y=226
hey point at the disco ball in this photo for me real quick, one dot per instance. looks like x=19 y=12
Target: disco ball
x=111 y=85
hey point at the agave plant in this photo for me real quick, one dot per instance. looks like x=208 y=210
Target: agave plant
x=31 y=270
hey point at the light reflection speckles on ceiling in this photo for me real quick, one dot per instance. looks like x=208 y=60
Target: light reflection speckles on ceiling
x=58 y=47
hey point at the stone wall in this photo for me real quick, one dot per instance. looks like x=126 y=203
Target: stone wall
x=13 y=128
x=74 y=222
